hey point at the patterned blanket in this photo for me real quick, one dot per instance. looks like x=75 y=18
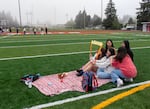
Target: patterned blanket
x=51 y=85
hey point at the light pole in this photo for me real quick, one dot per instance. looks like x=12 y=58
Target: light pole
x=84 y=18
x=27 y=18
x=102 y=10
x=19 y=12
x=55 y=15
x=66 y=17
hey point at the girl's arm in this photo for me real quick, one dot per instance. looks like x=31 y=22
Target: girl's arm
x=114 y=63
x=101 y=60
x=103 y=64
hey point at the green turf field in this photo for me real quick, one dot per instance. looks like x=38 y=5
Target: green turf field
x=15 y=95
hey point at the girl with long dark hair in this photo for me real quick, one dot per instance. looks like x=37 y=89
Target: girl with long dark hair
x=126 y=44
x=109 y=44
x=104 y=65
x=124 y=67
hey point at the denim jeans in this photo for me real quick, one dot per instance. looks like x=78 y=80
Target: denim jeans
x=115 y=74
x=103 y=75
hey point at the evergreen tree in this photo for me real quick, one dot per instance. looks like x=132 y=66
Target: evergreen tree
x=96 y=20
x=78 y=20
x=131 y=21
x=82 y=20
x=143 y=14
x=111 y=21
x=70 y=24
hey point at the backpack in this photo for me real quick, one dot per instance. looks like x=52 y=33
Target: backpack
x=89 y=81
x=30 y=77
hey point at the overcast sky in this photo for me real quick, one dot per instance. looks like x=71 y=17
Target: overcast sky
x=59 y=11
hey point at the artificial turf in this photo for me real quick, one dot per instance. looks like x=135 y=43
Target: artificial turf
x=15 y=95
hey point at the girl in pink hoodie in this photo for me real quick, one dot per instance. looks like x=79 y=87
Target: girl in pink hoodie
x=124 y=67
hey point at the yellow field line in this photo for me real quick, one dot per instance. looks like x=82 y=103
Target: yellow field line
x=120 y=96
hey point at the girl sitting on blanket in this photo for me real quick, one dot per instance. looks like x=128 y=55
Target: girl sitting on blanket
x=90 y=66
x=124 y=67
x=109 y=44
x=104 y=65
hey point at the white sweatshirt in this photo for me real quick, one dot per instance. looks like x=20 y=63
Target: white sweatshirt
x=105 y=64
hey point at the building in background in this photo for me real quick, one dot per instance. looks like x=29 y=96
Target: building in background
x=146 y=26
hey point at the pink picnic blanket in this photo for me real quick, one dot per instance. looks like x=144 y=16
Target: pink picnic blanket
x=51 y=85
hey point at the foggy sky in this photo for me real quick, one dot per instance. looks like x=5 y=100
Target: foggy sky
x=60 y=11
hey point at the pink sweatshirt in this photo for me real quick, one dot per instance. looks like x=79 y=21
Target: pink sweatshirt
x=126 y=66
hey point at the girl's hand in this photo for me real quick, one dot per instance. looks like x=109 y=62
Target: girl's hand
x=111 y=58
x=93 y=61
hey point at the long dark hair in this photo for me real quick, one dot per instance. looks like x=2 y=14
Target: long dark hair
x=106 y=47
x=127 y=46
x=121 y=53
x=102 y=54
x=112 y=51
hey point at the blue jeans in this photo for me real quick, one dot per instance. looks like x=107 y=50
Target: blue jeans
x=115 y=74
x=103 y=75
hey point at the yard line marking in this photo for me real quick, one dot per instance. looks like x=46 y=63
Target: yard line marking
x=86 y=96
x=137 y=48
x=3 y=37
x=47 y=55
x=58 y=39
x=100 y=37
x=58 y=54
x=143 y=35
x=117 y=97
x=112 y=36
x=44 y=45
x=57 y=44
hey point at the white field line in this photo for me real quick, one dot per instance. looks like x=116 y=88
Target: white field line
x=3 y=37
x=45 y=45
x=72 y=38
x=5 y=41
x=47 y=55
x=141 y=40
x=87 y=96
x=61 y=39
x=59 y=54
x=143 y=35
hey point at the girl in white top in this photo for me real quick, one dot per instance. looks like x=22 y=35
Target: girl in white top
x=90 y=66
x=104 y=64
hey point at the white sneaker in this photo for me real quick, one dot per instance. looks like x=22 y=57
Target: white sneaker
x=26 y=83
x=128 y=79
x=119 y=82
x=30 y=84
